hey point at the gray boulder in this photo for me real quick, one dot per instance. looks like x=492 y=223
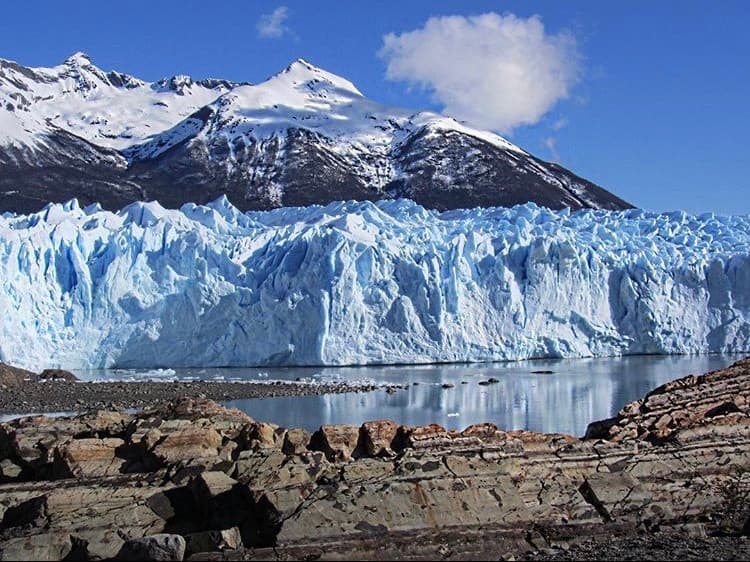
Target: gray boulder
x=155 y=547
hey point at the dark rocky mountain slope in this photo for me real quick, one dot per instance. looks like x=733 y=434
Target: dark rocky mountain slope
x=303 y=136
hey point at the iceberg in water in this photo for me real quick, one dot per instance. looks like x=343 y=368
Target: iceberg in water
x=365 y=283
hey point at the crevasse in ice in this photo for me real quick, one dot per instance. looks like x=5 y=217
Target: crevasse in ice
x=365 y=283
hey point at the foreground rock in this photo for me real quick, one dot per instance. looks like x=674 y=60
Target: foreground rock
x=193 y=477
x=653 y=546
x=155 y=547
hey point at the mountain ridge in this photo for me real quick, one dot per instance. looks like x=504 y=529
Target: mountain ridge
x=302 y=136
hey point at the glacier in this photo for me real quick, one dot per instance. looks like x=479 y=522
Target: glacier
x=355 y=283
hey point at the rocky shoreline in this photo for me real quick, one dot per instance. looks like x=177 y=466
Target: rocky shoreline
x=668 y=477
x=24 y=392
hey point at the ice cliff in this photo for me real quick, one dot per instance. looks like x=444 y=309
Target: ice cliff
x=363 y=283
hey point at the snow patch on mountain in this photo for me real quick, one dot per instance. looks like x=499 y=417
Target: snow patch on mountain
x=109 y=109
x=364 y=283
x=303 y=96
x=120 y=111
x=302 y=136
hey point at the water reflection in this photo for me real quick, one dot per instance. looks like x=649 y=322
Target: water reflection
x=576 y=392
x=567 y=400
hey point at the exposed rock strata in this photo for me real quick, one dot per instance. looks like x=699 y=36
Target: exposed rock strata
x=213 y=483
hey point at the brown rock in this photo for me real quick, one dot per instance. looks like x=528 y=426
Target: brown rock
x=194 y=408
x=208 y=485
x=13 y=377
x=227 y=451
x=33 y=440
x=274 y=509
x=148 y=438
x=533 y=441
x=187 y=442
x=487 y=433
x=338 y=442
x=261 y=435
x=57 y=375
x=426 y=505
x=481 y=430
x=683 y=403
x=431 y=436
x=378 y=436
x=258 y=468
x=295 y=441
x=228 y=422
x=420 y=464
x=102 y=423
x=663 y=423
x=90 y=458
x=722 y=409
x=101 y=543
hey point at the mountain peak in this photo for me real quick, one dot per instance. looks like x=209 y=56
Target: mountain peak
x=179 y=83
x=301 y=64
x=299 y=60
x=301 y=73
x=78 y=58
x=305 y=135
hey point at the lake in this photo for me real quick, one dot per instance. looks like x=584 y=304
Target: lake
x=561 y=395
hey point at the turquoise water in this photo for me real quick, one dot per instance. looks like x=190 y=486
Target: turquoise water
x=575 y=392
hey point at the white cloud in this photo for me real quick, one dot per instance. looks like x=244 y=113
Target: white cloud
x=560 y=124
x=271 y=26
x=551 y=144
x=495 y=71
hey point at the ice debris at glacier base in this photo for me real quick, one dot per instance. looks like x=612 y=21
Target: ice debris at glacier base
x=363 y=283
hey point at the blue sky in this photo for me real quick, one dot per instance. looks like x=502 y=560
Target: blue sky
x=657 y=110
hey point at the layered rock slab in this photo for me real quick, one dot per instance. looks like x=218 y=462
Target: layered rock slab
x=677 y=459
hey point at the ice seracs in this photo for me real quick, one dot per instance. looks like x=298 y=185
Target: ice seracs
x=365 y=283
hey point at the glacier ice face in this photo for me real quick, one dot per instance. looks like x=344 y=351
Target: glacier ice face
x=364 y=283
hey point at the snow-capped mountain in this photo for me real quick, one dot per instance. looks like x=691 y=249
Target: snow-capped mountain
x=303 y=136
x=112 y=110
x=362 y=282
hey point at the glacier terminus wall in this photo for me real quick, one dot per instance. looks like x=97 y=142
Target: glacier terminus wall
x=365 y=283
